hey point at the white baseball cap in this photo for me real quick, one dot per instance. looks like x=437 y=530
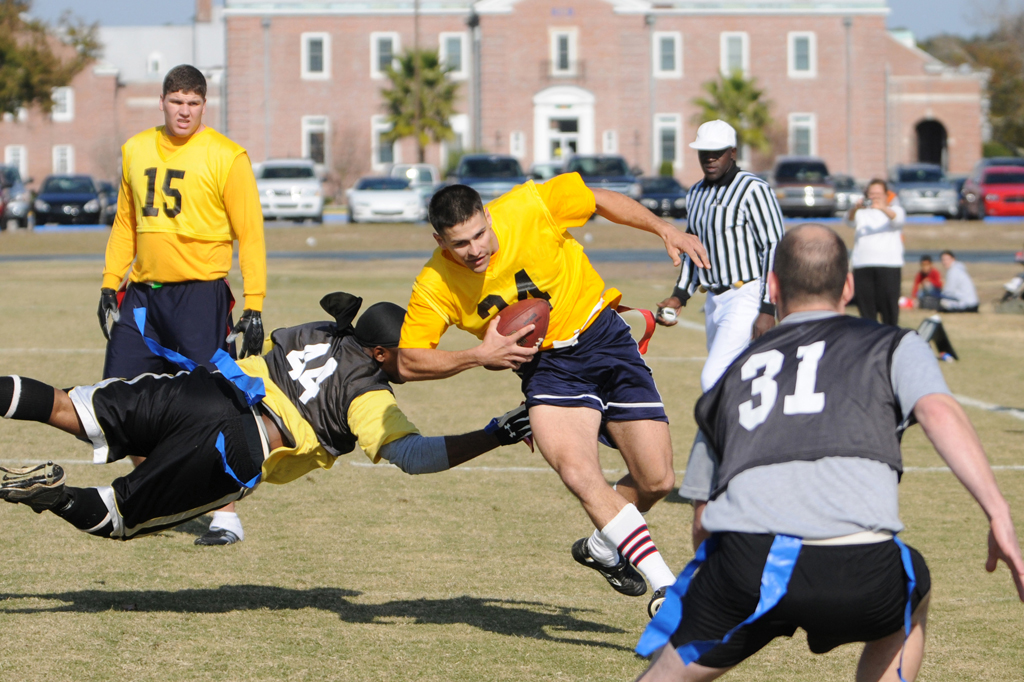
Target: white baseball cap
x=714 y=135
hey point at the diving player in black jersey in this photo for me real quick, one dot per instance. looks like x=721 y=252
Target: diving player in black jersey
x=210 y=438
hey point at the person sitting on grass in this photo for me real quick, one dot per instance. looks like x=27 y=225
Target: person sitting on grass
x=959 y=294
x=927 y=286
x=209 y=438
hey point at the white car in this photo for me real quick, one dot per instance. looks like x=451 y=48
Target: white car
x=423 y=177
x=384 y=200
x=290 y=189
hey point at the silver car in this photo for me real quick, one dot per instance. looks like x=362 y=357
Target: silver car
x=17 y=198
x=290 y=189
x=924 y=188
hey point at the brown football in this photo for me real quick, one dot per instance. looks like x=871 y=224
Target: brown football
x=535 y=311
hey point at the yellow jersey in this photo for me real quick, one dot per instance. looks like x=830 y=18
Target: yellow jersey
x=182 y=203
x=182 y=192
x=536 y=258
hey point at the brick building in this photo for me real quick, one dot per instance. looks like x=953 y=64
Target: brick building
x=115 y=98
x=292 y=78
x=596 y=76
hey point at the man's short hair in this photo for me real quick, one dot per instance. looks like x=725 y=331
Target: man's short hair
x=811 y=263
x=185 y=78
x=949 y=253
x=926 y=259
x=453 y=205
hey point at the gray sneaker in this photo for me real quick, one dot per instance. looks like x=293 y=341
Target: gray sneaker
x=217 y=536
x=39 y=486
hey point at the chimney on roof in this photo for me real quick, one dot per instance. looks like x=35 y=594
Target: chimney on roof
x=204 y=11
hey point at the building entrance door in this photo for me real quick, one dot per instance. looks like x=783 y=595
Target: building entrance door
x=563 y=123
x=564 y=137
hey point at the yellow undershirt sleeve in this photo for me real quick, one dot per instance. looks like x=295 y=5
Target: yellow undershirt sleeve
x=242 y=204
x=121 y=244
x=375 y=419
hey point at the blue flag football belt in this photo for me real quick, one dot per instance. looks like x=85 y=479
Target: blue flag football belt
x=778 y=569
x=251 y=387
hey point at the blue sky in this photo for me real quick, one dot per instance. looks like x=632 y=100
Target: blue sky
x=924 y=17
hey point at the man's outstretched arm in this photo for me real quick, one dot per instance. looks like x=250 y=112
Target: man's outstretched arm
x=950 y=431
x=624 y=211
x=494 y=352
x=416 y=454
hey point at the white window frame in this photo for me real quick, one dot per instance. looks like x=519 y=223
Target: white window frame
x=463 y=72
x=17 y=155
x=155 y=59
x=66 y=112
x=517 y=144
x=610 y=142
x=677 y=39
x=460 y=126
x=316 y=124
x=70 y=153
x=812 y=54
x=325 y=39
x=572 y=34
x=379 y=124
x=723 y=47
x=663 y=122
x=396 y=49
x=805 y=120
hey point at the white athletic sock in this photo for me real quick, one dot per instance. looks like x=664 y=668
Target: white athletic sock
x=227 y=521
x=628 y=533
x=604 y=552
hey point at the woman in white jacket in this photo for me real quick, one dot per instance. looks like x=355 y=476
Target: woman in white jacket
x=877 y=259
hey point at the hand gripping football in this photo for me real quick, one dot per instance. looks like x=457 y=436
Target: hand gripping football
x=535 y=311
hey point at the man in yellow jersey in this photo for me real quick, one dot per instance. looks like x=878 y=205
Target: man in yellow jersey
x=588 y=379
x=209 y=438
x=187 y=193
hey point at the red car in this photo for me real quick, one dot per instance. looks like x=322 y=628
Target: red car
x=995 y=191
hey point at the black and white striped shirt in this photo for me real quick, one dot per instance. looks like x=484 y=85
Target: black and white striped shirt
x=740 y=224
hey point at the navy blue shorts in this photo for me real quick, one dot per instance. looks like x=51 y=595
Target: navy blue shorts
x=603 y=371
x=192 y=318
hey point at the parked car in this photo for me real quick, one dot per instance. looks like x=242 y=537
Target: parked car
x=545 y=170
x=664 y=196
x=489 y=174
x=108 y=199
x=384 y=200
x=605 y=171
x=290 y=189
x=803 y=187
x=68 y=200
x=16 y=199
x=848 y=192
x=924 y=188
x=424 y=178
x=999 y=191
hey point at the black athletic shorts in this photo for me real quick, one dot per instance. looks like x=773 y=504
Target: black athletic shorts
x=174 y=421
x=837 y=594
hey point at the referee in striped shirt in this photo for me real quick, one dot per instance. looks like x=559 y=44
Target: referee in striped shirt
x=738 y=220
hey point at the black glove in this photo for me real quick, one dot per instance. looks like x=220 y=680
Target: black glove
x=250 y=326
x=108 y=307
x=511 y=427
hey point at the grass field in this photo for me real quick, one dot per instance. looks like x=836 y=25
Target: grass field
x=364 y=573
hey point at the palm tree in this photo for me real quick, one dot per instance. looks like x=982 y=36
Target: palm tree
x=737 y=101
x=419 y=109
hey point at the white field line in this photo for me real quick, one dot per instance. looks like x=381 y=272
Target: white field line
x=23 y=351
x=686 y=324
x=549 y=470
x=982 y=405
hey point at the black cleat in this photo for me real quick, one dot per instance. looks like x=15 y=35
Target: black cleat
x=217 y=536
x=622 y=577
x=40 y=486
x=657 y=599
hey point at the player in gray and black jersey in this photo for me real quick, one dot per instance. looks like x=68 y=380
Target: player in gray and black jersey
x=795 y=481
